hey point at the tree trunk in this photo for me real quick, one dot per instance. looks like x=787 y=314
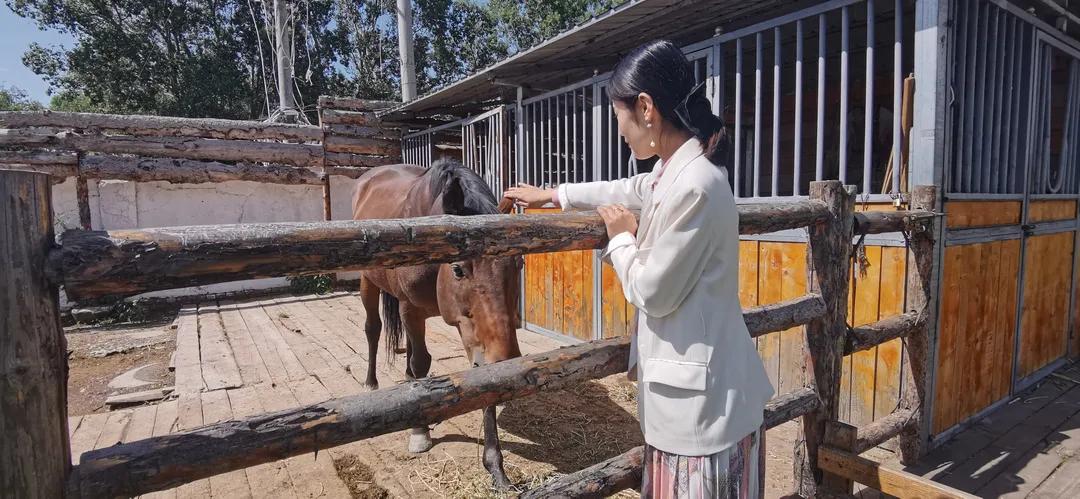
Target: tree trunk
x=35 y=455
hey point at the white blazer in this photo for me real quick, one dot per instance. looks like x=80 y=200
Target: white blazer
x=702 y=385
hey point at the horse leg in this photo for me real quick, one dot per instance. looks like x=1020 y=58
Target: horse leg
x=419 y=360
x=493 y=458
x=369 y=296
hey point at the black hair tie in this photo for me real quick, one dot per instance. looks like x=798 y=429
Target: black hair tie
x=682 y=110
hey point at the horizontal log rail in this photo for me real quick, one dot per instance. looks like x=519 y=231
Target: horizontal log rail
x=205 y=149
x=38 y=158
x=783 y=315
x=161 y=126
x=189 y=171
x=861 y=338
x=161 y=462
x=624 y=471
x=880 y=431
x=97 y=264
x=881 y=222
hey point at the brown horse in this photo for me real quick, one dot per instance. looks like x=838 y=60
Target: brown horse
x=479 y=297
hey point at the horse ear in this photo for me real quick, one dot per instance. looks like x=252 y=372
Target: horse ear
x=453 y=198
x=506 y=206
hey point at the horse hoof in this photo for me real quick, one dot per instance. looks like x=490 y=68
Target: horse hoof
x=419 y=440
x=370 y=387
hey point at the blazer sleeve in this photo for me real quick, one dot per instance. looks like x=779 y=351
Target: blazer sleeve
x=660 y=282
x=629 y=192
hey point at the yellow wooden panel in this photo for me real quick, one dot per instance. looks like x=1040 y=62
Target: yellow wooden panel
x=890 y=303
x=748 y=273
x=962 y=214
x=792 y=341
x=864 y=364
x=978 y=336
x=587 y=268
x=1050 y=210
x=557 y=293
x=770 y=290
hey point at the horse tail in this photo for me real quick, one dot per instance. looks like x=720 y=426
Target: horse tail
x=392 y=321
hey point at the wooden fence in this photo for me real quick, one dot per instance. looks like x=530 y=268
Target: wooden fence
x=349 y=141
x=91 y=264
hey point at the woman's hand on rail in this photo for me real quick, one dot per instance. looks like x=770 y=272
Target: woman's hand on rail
x=527 y=196
x=618 y=219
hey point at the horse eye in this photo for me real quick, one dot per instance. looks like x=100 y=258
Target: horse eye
x=458 y=271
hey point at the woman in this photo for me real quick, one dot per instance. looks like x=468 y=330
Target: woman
x=702 y=388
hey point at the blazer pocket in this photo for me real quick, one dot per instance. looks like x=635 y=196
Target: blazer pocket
x=679 y=374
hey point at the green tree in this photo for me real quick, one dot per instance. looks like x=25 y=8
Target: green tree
x=15 y=99
x=215 y=58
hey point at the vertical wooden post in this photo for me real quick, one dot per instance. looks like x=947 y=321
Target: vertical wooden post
x=326 y=196
x=82 y=193
x=829 y=261
x=916 y=364
x=35 y=456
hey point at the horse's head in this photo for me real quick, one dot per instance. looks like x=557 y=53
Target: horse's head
x=479 y=296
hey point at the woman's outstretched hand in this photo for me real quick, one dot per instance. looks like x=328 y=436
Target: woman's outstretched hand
x=527 y=196
x=618 y=219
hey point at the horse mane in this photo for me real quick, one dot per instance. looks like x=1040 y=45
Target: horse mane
x=463 y=192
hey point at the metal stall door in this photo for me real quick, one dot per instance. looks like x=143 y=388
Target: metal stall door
x=1049 y=212
x=484 y=144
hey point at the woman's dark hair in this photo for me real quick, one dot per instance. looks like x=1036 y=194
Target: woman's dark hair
x=660 y=69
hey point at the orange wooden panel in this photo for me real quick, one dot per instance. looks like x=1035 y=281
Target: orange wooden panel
x=547 y=284
x=1050 y=210
x=558 y=293
x=960 y=214
x=587 y=267
x=890 y=303
x=1044 y=325
x=792 y=341
x=975 y=391
x=946 y=388
x=614 y=312
x=864 y=363
x=770 y=290
x=534 y=298
x=1006 y=286
x=1076 y=309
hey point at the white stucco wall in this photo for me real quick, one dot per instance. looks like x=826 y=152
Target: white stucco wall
x=118 y=204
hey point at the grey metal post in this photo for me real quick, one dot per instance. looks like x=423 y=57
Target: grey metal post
x=405 y=50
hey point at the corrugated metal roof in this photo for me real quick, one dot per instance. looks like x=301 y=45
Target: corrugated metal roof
x=593 y=46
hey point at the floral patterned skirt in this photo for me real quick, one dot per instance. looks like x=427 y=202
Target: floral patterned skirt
x=737 y=472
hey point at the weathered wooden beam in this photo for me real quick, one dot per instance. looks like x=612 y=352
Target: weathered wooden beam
x=38 y=158
x=923 y=272
x=895 y=483
x=340 y=117
x=35 y=455
x=363 y=131
x=125 y=262
x=880 y=431
x=359 y=160
x=362 y=145
x=190 y=171
x=624 y=471
x=160 y=126
x=352 y=172
x=828 y=256
x=355 y=104
x=170 y=147
x=784 y=315
x=880 y=222
x=861 y=338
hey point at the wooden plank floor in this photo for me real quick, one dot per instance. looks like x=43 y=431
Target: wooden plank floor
x=236 y=359
x=1029 y=447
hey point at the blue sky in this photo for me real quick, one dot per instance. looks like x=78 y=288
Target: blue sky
x=16 y=34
